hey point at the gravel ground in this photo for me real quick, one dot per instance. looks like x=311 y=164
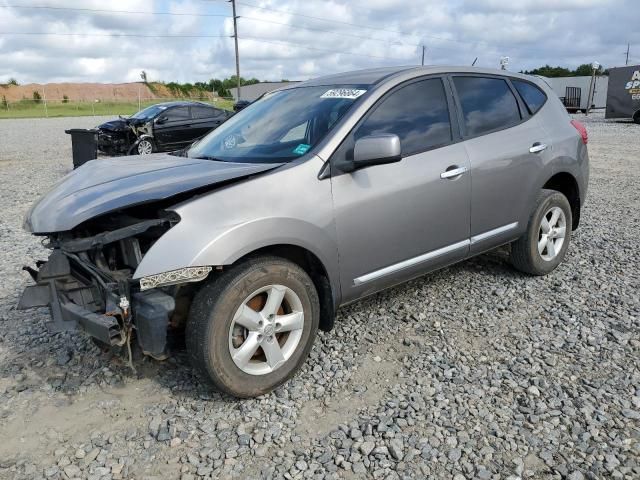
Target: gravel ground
x=475 y=371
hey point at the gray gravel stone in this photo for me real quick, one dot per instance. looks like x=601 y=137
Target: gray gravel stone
x=453 y=375
x=396 y=449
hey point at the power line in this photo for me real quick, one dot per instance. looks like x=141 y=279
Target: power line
x=73 y=34
x=329 y=31
x=263 y=40
x=98 y=10
x=350 y=24
x=317 y=49
x=95 y=10
x=219 y=15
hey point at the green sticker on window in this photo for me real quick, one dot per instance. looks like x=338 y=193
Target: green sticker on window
x=301 y=149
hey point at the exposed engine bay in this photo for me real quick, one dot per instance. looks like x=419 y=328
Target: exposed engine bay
x=87 y=282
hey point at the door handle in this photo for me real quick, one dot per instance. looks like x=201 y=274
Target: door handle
x=453 y=171
x=537 y=147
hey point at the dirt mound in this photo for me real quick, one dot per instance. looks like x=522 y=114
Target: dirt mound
x=87 y=91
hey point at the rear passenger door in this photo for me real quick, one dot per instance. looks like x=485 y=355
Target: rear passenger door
x=399 y=220
x=507 y=148
x=205 y=119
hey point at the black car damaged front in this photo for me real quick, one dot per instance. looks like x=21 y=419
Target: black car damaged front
x=120 y=136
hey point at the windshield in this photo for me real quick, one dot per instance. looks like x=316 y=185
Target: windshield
x=149 y=112
x=279 y=127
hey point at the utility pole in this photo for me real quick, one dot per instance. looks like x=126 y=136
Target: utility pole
x=235 y=38
x=422 y=54
x=592 y=86
x=627 y=61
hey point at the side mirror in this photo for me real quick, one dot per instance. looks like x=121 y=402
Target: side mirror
x=161 y=120
x=376 y=150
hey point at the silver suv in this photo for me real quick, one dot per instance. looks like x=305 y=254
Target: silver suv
x=314 y=196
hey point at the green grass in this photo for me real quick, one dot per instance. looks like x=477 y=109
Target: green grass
x=31 y=109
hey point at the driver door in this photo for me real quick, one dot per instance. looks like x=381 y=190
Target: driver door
x=173 y=129
x=399 y=220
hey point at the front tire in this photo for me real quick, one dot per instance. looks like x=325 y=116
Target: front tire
x=250 y=329
x=145 y=147
x=543 y=247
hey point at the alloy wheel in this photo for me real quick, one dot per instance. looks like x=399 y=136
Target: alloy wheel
x=552 y=233
x=145 y=147
x=266 y=330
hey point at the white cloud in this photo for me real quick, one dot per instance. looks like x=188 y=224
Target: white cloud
x=531 y=32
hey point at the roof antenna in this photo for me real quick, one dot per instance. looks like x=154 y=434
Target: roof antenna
x=474 y=62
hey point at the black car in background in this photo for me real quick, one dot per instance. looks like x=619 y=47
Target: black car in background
x=240 y=104
x=159 y=128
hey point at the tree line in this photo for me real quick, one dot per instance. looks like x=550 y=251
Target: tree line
x=583 y=70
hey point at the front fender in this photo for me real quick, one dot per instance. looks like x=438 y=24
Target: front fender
x=289 y=206
x=182 y=246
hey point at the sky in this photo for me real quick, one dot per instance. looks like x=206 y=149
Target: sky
x=301 y=39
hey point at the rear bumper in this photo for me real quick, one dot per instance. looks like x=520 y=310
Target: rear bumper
x=79 y=298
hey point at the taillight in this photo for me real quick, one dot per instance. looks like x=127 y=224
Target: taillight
x=582 y=130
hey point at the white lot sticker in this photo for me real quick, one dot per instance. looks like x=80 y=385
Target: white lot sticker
x=342 y=93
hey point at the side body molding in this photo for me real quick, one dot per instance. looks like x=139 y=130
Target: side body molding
x=286 y=206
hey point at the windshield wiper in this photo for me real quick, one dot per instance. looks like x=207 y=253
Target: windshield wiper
x=208 y=157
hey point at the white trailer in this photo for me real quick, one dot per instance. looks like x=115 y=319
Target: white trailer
x=574 y=92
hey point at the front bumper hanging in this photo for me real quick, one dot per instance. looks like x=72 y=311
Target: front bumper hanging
x=79 y=297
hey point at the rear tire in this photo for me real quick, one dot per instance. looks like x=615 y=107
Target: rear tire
x=636 y=117
x=250 y=329
x=544 y=245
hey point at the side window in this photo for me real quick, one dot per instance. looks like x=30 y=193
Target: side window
x=487 y=104
x=418 y=113
x=177 y=114
x=533 y=97
x=203 y=112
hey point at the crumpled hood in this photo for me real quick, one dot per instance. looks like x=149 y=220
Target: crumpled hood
x=101 y=186
x=117 y=125
x=121 y=124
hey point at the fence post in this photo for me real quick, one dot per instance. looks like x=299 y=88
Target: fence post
x=44 y=98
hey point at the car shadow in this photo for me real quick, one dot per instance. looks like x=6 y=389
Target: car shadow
x=69 y=362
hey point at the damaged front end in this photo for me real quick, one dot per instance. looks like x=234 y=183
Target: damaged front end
x=101 y=221
x=87 y=283
x=121 y=136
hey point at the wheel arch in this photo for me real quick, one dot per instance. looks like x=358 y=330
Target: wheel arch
x=566 y=183
x=310 y=263
x=144 y=136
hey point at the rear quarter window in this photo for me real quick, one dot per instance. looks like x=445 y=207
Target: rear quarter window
x=488 y=104
x=533 y=96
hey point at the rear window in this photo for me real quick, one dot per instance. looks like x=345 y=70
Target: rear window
x=533 y=97
x=203 y=112
x=488 y=104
